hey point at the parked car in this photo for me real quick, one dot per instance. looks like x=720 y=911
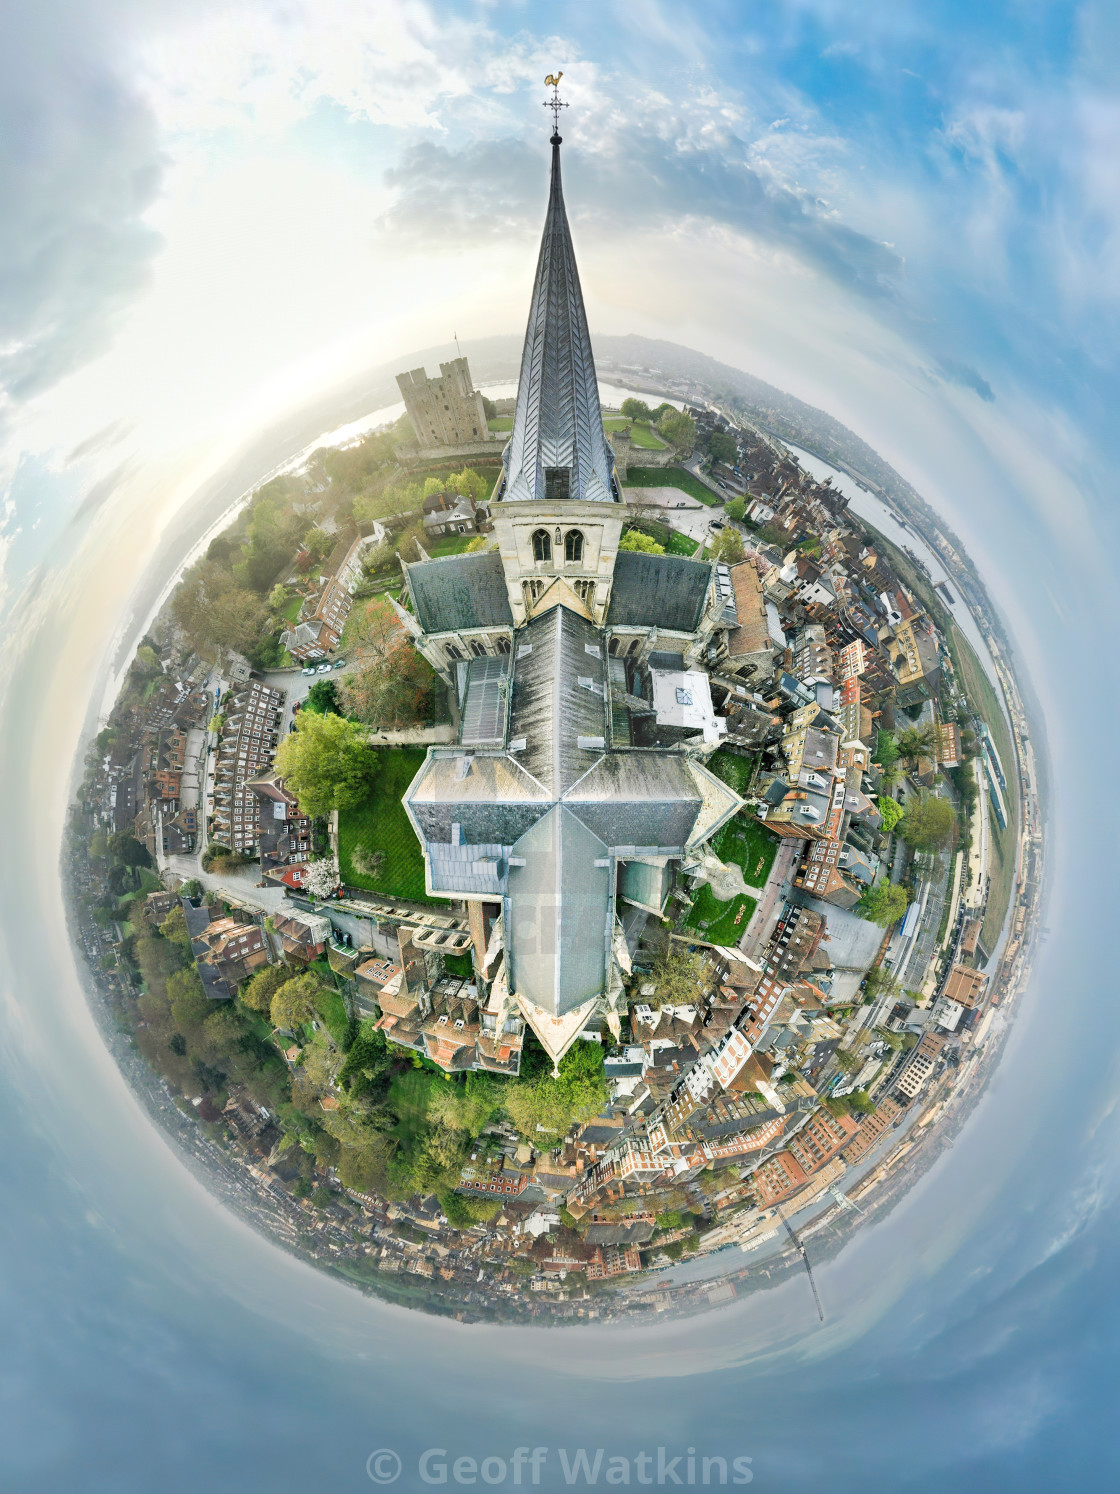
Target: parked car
x=323 y=669
x=309 y=670
x=339 y=664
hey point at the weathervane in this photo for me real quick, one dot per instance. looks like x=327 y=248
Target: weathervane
x=555 y=103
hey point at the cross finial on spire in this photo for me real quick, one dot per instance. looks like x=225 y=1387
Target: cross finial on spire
x=555 y=103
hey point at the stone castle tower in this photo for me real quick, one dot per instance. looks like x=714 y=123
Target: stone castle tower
x=447 y=411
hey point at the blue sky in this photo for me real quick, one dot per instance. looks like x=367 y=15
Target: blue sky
x=906 y=214
x=940 y=179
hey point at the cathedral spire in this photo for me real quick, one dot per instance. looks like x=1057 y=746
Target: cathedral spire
x=558 y=448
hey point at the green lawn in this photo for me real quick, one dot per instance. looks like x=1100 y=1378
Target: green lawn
x=448 y=544
x=720 y=923
x=670 y=477
x=290 y=610
x=744 y=843
x=674 y=543
x=380 y=824
x=500 y=423
x=680 y=544
x=408 y=1099
x=331 y=1006
x=734 y=770
x=641 y=432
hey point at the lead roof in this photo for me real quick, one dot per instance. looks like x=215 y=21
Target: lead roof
x=557 y=421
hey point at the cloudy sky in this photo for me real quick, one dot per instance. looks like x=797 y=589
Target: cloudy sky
x=907 y=214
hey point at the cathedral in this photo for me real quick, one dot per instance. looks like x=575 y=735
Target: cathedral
x=578 y=780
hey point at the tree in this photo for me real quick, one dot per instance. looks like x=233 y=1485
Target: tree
x=634 y=539
x=147 y=660
x=126 y=850
x=774 y=534
x=929 y=823
x=372 y=627
x=320 y=878
x=884 y=904
x=327 y=763
x=174 y=927
x=736 y=509
x=544 y=1109
x=915 y=742
x=392 y=690
x=679 y=430
x=190 y=1005
x=721 y=447
x=470 y=484
x=215 y=611
x=678 y=977
x=260 y=990
x=890 y=811
x=636 y=409
x=277 y=597
x=322 y=697
x=728 y=547
x=293 y=1003
x=886 y=750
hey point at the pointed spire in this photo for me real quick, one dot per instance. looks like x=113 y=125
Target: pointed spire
x=558 y=448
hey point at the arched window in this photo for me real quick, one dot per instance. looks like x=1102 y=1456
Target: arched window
x=503 y=645
x=573 y=546
x=452 y=651
x=542 y=545
x=477 y=648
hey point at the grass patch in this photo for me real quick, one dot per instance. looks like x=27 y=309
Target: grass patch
x=680 y=544
x=744 y=843
x=500 y=423
x=641 y=432
x=734 y=770
x=380 y=825
x=408 y=1099
x=985 y=702
x=448 y=544
x=720 y=923
x=671 y=477
x=673 y=543
x=459 y=965
x=332 y=1009
x=290 y=610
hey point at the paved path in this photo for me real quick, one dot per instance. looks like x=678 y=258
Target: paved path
x=777 y=888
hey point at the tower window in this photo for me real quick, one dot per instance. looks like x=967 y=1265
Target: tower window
x=573 y=546
x=542 y=545
x=557 y=482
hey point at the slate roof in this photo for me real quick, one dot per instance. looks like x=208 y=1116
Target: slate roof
x=550 y=708
x=460 y=591
x=558 y=913
x=658 y=591
x=557 y=421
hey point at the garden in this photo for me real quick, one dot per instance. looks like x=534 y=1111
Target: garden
x=377 y=846
x=720 y=922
